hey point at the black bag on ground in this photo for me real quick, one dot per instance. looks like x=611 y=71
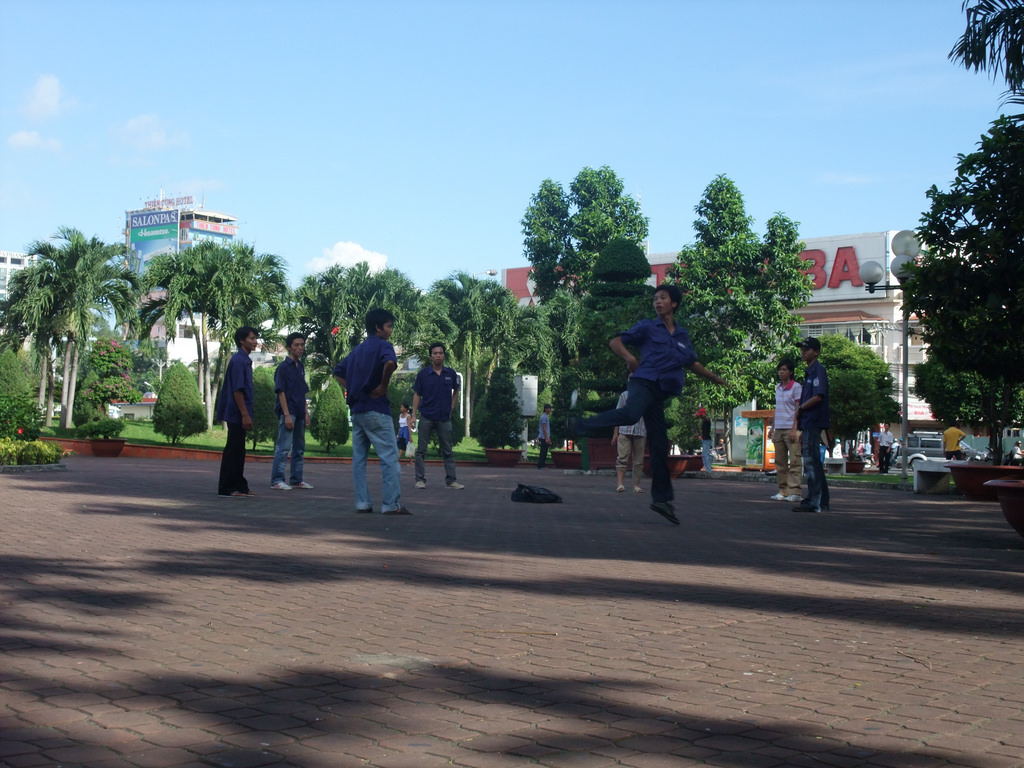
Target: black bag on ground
x=534 y=494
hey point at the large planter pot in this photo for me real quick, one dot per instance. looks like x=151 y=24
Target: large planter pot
x=971 y=478
x=503 y=457
x=108 y=448
x=567 y=459
x=601 y=453
x=854 y=467
x=677 y=465
x=1010 y=494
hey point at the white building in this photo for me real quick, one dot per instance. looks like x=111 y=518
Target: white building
x=11 y=262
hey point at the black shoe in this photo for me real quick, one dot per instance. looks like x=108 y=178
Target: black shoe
x=399 y=511
x=664 y=509
x=367 y=511
x=806 y=508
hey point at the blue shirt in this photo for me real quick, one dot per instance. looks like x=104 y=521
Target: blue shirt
x=664 y=357
x=545 y=426
x=436 y=391
x=815 y=383
x=290 y=378
x=237 y=378
x=362 y=371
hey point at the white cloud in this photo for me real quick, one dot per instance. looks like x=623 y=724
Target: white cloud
x=32 y=140
x=147 y=133
x=348 y=255
x=44 y=100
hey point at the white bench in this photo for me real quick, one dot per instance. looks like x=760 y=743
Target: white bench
x=931 y=476
x=834 y=466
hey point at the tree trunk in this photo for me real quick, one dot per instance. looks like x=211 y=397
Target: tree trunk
x=49 y=392
x=71 y=387
x=65 y=410
x=42 y=382
x=205 y=366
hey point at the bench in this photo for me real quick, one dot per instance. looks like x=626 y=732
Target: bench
x=834 y=466
x=931 y=476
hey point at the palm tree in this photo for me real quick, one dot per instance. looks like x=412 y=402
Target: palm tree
x=994 y=42
x=71 y=281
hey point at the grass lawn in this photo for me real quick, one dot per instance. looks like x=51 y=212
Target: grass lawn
x=141 y=433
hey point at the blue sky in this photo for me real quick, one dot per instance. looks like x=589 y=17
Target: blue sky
x=414 y=133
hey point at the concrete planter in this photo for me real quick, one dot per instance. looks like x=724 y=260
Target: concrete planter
x=1010 y=493
x=971 y=478
x=503 y=457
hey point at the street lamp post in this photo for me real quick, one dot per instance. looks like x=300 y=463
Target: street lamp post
x=905 y=248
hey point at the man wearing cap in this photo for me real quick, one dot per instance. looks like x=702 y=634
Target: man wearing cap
x=705 y=437
x=812 y=417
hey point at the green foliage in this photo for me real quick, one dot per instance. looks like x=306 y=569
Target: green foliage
x=739 y=294
x=860 y=387
x=966 y=396
x=994 y=41
x=20 y=418
x=498 y=423
x=109 y=378
x=968 y=286
x=14 y=379
x=179 y=411
x=329 y=417
x=19 y=452
x=564 y=232
x=100 y=429
x=264 y=420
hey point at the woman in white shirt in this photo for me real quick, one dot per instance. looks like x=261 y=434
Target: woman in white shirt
x=786 y=436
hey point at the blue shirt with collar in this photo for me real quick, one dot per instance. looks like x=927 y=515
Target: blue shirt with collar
x=815 y=383
x=664 y=356
x=436 y=391
x=362 y=370
x=290 y=378
x=237 y=378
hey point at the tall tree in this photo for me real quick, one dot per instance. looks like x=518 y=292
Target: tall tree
x=739 y=295
x=994 y=42
x=968 y=285
x=72 y=280
x=564 y=231
x=860 y=387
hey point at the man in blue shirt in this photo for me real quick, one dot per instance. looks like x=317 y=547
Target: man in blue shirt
x=292 y=415
x=364 y=376
x=666 y=353
x=234 y=408
x=812 y=417
x=434 y=393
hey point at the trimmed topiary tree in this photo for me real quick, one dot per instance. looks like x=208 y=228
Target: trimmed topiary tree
x=497 y=422
x=264 y=420
x=179 y=411
x=328 y=422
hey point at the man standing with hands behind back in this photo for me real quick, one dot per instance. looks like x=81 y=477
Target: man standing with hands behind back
x=292 y=414
x=434 y=393
x=812 y=417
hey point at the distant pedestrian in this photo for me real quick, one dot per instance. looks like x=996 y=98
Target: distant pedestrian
x=786 y=434
x=435 y=393
x=364 y=375
x=666 y=353
x=544 y=436
x=292 y=416
x=885 y=440
x=629 y=441
x=813 y=417
x=705 y=437
x=234 y=408
x=404 y=436
x=951 y=443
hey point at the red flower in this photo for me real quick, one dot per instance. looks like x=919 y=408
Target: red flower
x=21 y=431
x=335 y=331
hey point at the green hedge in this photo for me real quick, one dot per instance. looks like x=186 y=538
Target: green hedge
x=34 y=452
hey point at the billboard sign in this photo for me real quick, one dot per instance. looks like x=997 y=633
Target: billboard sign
x=152 y=234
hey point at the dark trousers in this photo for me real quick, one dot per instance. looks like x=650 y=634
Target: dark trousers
x=884 y=458
x=817 y=483
x=647 y=401
x=543 y=454
x=232 y=462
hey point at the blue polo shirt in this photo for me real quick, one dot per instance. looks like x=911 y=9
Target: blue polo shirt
x=362 y=371
x=436 y=391
x=815 y=383
x=290 y=378
x=664 y=356
x=237 y=378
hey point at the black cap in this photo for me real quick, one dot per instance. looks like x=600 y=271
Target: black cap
x=546 y=406
x=811 y=343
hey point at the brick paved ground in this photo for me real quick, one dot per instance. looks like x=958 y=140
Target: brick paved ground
x=146 y=622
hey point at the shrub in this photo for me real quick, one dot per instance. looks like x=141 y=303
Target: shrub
x=111 y=361
x=497 y=422
x=264 y=420
x=179 y=410
x=14 y=379
x=20 y=418
x=100 y=429
x=34 y=452
x=329 y=420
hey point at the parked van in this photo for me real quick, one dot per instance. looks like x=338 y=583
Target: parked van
x=928 y=445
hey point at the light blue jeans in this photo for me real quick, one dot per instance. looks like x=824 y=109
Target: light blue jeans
x=706 y=454
x=377 y=429
x=289 y=441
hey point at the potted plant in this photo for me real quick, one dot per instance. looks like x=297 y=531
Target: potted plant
x=497 y=423
x=102 y=435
